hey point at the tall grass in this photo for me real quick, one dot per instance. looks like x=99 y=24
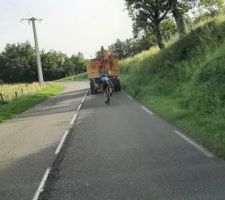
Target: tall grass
x=22 y=103
x=11 y=91
x=185 y=83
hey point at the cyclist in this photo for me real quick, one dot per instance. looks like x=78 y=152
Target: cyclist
x=106 y=83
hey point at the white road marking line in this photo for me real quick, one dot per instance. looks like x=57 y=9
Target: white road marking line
x=197 y=146
x=73 y=119
x=79 y=107
x=61 y=142
x=42 y=184
x=83 y=100
x=130 y=97
x=147 y=110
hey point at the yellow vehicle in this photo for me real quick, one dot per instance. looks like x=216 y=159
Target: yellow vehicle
x=104 y=63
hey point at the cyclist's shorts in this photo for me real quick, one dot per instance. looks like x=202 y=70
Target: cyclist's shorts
x=105 y=85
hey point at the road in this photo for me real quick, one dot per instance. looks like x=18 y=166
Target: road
x=126 y=152
x=28 y=142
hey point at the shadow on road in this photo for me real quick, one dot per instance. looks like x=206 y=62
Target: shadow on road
x=58 y=104
x=19 y=181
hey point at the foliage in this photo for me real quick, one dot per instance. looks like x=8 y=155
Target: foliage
x=147 y=16
x=185 y=83
x=18 y=64
x=210 y=3
x=129 y=47
x=168 y=29
x=202 y=18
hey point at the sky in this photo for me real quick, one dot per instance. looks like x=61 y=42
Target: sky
x=69 y=26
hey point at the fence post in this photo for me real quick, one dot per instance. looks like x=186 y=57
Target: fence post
x=16 y=95
x=22 y=91
x=2 y=99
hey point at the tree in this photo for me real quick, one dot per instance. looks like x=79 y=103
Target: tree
x=18 y=63
x=130 y=47
x=201 y=18
x=143 y=43
x=177 y=14
x=118 y=49
x=68 y=67
x=78 y=63
x=214 y=6
x=168 y=29
x=52 y=63
x=147 y=16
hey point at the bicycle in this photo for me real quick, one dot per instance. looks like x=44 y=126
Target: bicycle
x=108 y=95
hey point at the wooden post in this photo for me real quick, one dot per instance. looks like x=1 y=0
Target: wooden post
x=16 y=95
x=22 y=91
x=2 y=99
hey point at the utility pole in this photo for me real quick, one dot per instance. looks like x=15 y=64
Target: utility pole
x=39 y=67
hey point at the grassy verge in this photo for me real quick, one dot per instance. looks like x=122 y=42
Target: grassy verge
x=185 y=83
x=79 y=77
x=22 y=103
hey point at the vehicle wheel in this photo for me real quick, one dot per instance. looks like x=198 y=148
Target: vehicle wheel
x=108 y=100
x=115 y=86
x=92 y=87
x=118 y=85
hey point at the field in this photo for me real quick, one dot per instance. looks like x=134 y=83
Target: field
x=32 y=96
x=9 y=92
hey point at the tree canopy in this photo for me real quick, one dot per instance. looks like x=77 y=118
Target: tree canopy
x=147 y=16
x=18 y=64
x=157 y=21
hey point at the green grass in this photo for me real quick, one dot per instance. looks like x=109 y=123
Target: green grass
x=22 y=103
x=79 y=77
x=185 y=83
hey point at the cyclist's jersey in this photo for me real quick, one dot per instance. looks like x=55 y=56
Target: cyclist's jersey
x=105 y=80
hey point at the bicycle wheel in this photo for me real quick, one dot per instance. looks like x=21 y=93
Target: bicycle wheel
x=108 y=98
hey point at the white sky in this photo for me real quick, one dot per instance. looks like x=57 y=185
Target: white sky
x=68 y=25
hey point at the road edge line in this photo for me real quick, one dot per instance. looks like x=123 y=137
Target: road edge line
x=195 y=144
x=48 y=170
x=73 y=119
x=130 y=97
x=42 y=184
x=61 y=142
x=146 y=110
x=79 y=107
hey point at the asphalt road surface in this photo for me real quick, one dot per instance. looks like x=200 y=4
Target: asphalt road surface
x=125 y=152
x=28 y=142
